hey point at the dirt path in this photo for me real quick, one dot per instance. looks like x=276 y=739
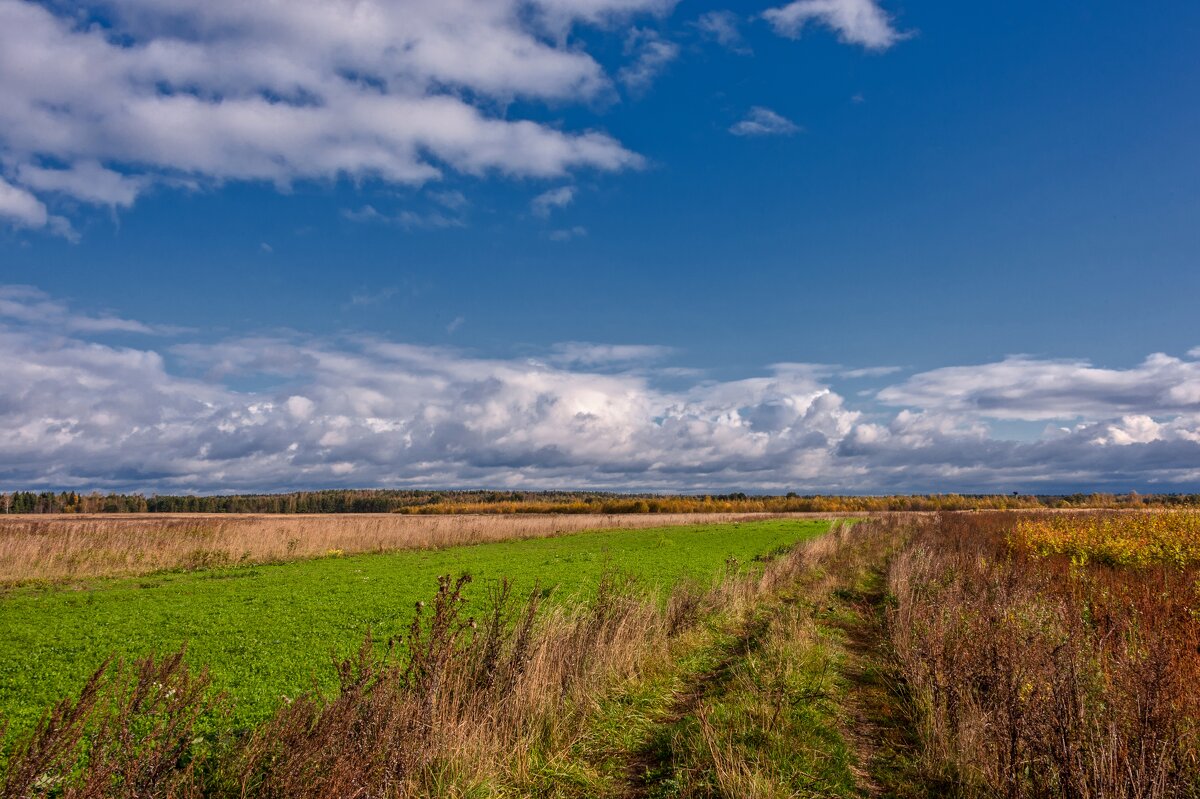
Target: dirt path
x=878 y=726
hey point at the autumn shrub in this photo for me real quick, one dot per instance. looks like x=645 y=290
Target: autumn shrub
x=1035 y=675
x=1169 y=538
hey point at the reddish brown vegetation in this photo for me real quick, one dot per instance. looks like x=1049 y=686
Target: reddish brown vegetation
x=1039 y=677
x=128 y=734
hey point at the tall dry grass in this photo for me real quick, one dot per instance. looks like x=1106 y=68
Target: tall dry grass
x=1042 y=677
x=68 y=546
x=452 y=707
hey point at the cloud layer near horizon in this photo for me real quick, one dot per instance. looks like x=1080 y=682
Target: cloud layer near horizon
x=168 y=415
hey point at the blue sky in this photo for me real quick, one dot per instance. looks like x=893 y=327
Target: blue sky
x=599 y=228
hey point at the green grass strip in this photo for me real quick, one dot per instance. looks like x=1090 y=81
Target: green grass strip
x=269 y=631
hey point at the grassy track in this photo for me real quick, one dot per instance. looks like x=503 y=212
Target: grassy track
x=761 y=722
x=268 y=631
x=782 y=698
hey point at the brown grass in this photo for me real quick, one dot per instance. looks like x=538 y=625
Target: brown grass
x=69 y=546
x=1042 y=677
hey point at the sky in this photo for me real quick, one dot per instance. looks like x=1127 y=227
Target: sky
x=825 y=246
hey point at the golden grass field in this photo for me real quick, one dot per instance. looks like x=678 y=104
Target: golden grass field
x=73 y=546
x=1168 y=538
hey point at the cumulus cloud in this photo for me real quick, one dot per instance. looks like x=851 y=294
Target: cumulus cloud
x=764 y=122
x=402 y=92
x=370 y=411
x=79 y=411
x=860 y=22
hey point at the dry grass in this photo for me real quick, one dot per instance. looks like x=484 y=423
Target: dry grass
x=69 y=546
x=1039 y=676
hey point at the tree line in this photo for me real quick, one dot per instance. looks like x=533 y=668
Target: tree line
x=483 y=501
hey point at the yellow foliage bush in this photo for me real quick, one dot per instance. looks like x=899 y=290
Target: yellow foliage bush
x=1170 y=538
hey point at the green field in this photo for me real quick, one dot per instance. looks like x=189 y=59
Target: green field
x=269 y=631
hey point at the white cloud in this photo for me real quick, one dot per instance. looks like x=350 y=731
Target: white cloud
x=454 y=200
x=1021 y=387
x=75 y=411
x=402 y=92
x=299 y=407
x=587 y=353
x=652 y=53
x=764 y=122
x=558 y=14
x=367 y=213
x=1135 y=429
x=869 y=371
x=567 y=234
x=552 y=199
x=34 y=308
x=860 y=22
x=722 y=27
x=21 y=207
x=405 y=218
x=86 y=180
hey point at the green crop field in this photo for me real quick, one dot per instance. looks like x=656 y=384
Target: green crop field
x=269 y=631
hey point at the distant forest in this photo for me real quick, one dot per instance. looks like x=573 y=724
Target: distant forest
x=436 y=502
